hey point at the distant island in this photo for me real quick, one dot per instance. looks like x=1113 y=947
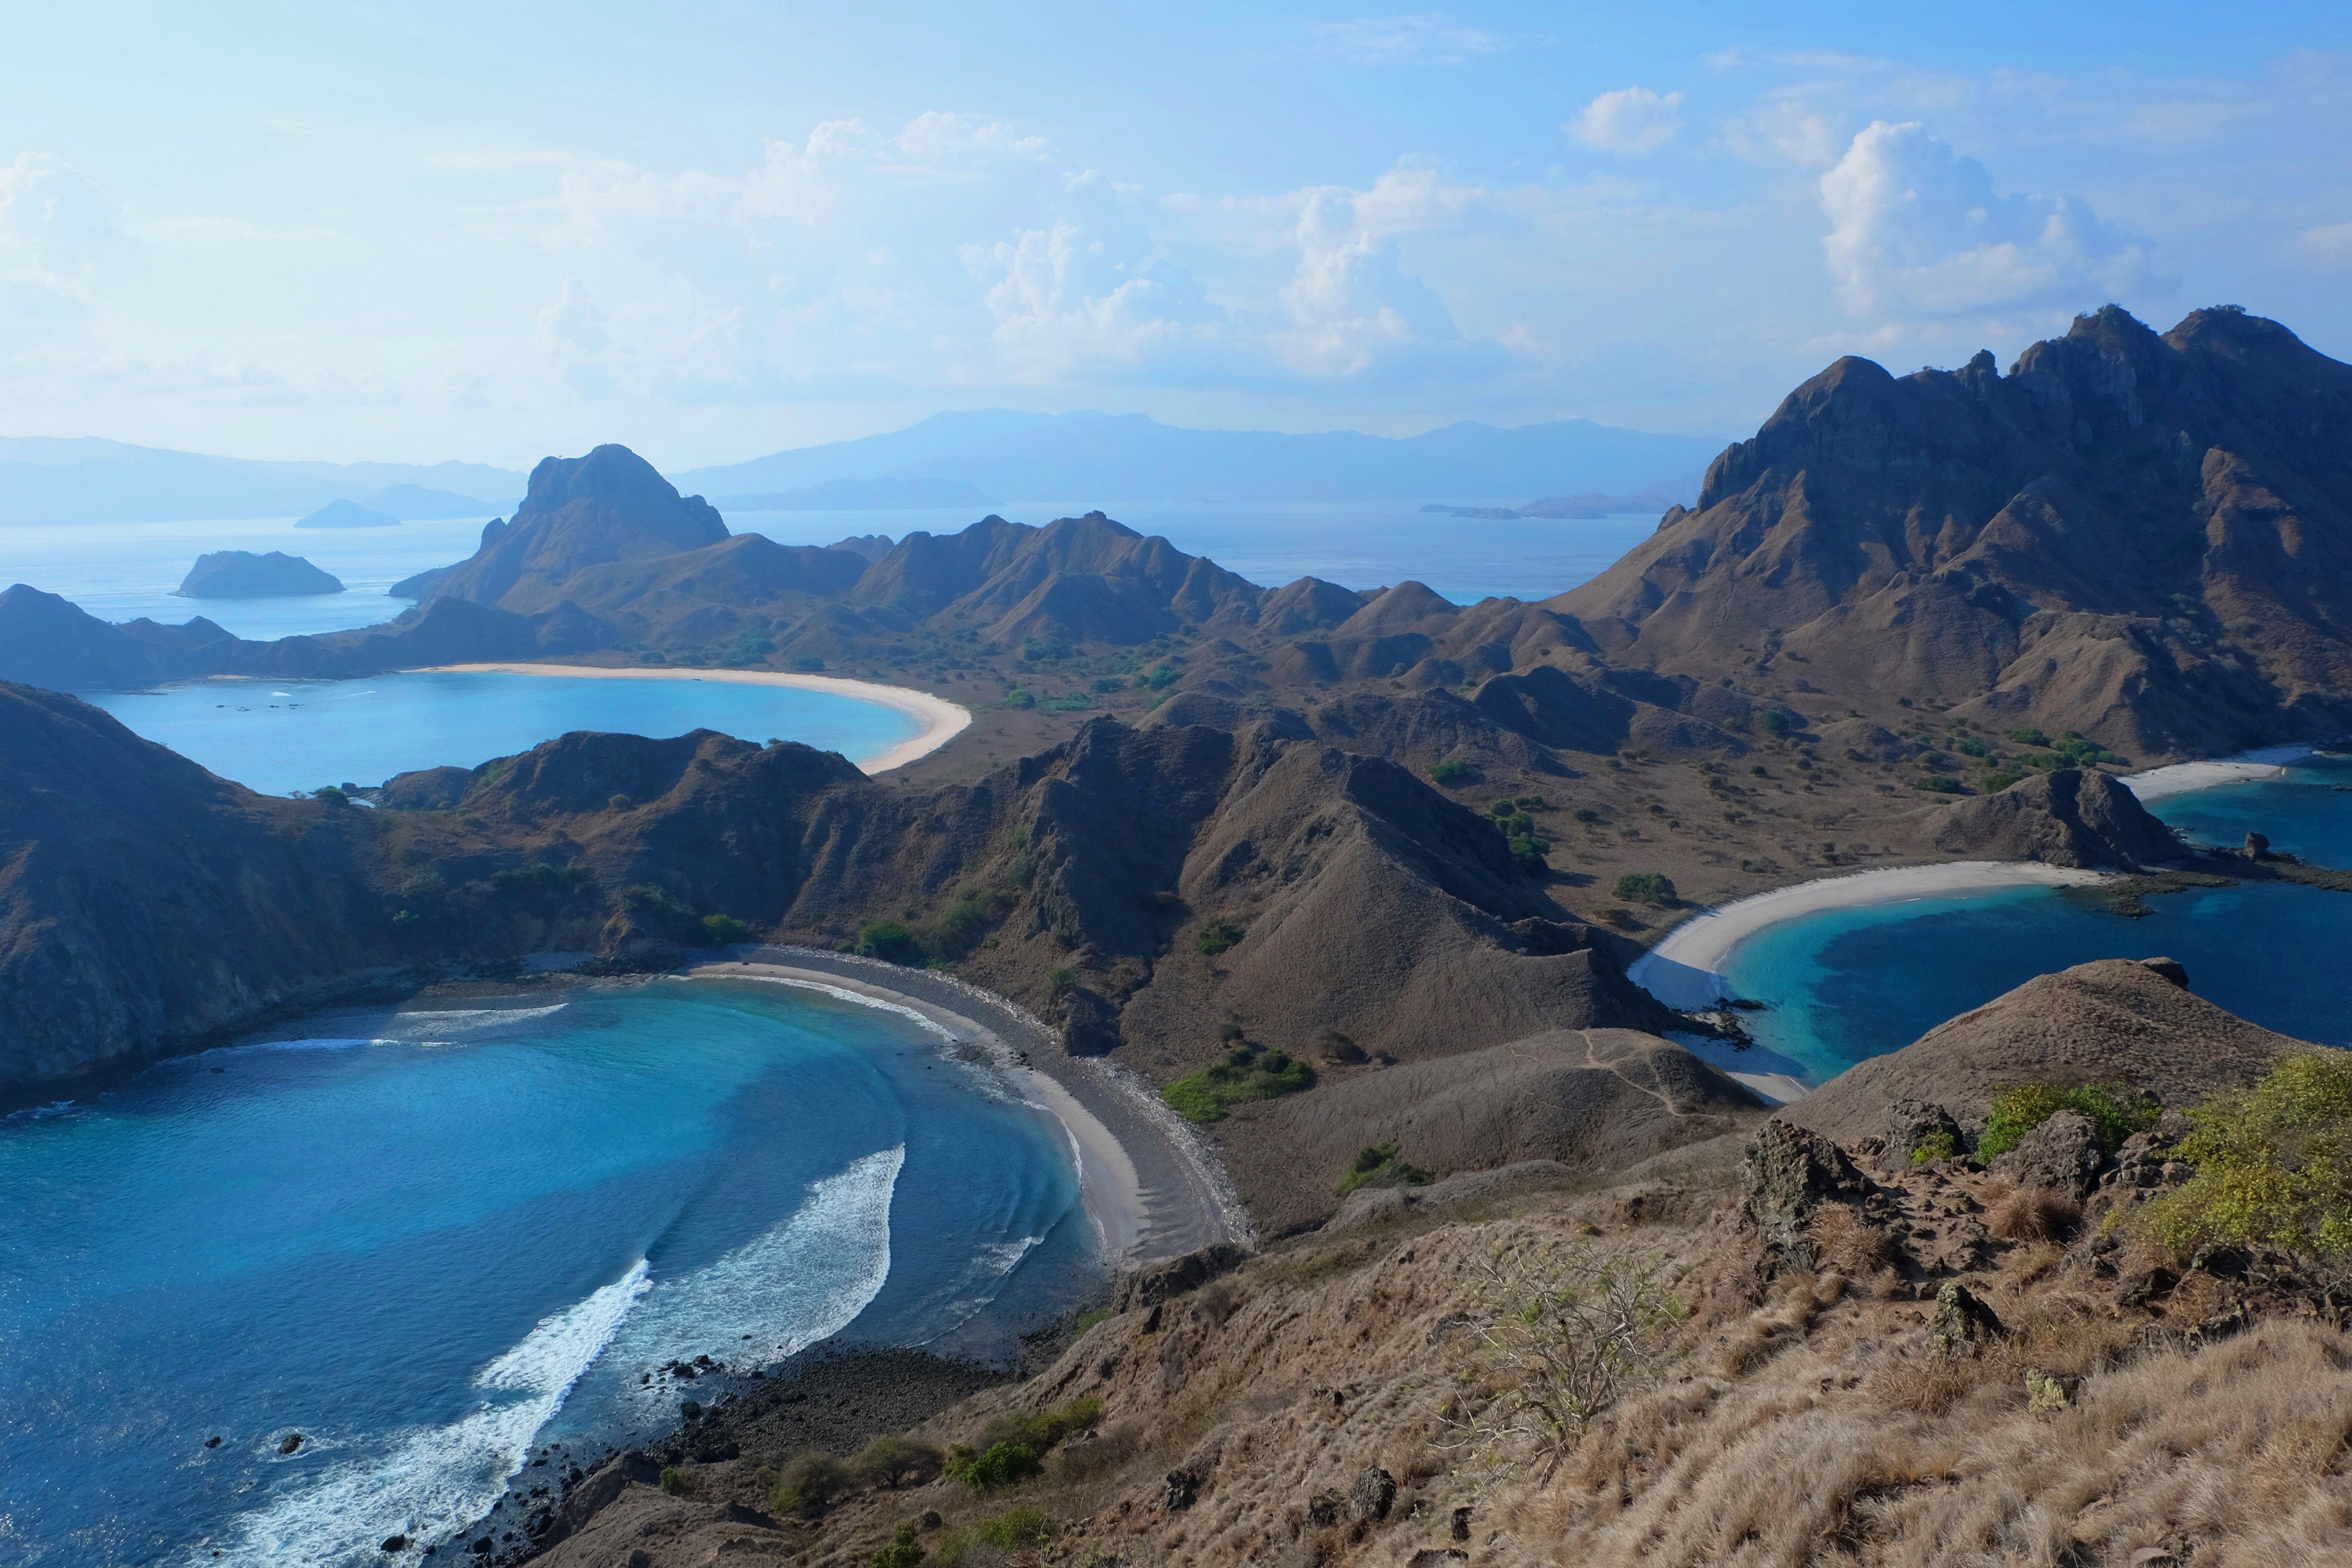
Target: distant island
x=415 y=503
x=346 y=514
x=862 y=495
x=1587 y=509
x=241 y=574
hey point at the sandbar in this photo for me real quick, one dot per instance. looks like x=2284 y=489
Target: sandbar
x=1149 y=1190
x=2180 y=778
x=940 y=718
x=1683 y=969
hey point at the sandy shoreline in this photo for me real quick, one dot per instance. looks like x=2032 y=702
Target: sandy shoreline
x=940 y=719
x=2180 y=778
x=1151 y=1190
x=1682 y=970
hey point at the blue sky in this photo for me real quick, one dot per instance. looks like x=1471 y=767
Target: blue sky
x=426 y=230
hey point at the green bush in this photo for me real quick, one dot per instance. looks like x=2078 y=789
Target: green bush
x=811 y=1479
x=1450 y=771
x=1381 y=1166
x=1015 y=1528
x=888 y=940
x=1161 y=677
x=1000 y=1464
x=2029 y=737
x=2272 y=1167
x=895 y=1460
x=1020 y=697
x=1938 y=1144
x=1776 y=721
x=332 y=794
x=1994 y=783
x=2116 y=1110
x=423 y=887
x=724 y=930
x=1069 y=702
x=675 y=1481
x=1247 y=1072
x=1219 y=934
x=1039 y=1431
x=903 y=1550
x=1646 y=887
x=1969 y=744
x=1940 y=784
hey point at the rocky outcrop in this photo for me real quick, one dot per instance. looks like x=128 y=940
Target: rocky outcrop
x=2062 y=1154
x=241 y=574
x=1786 y=1176
x=2064 y=818
x=2103 y=1022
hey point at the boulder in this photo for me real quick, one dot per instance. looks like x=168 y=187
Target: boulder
x=1962 y=1323
x=1787 y=1173
x=1912 y=1123
x=1374 y=1492
x=2172 y=969
x=2061 y=1154
x=1180 y=1489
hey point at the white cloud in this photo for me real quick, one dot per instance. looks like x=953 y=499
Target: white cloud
x=1630 y=121
x=2330 y=244
x=1917 y=232
x=1393 y=40
x=574 y=321
x=1786 y=130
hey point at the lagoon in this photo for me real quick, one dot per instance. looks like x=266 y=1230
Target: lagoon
x=282 y=736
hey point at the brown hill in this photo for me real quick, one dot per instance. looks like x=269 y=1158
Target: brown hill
x=2065 y=817
x=2101 y=1022
x=2145 y=538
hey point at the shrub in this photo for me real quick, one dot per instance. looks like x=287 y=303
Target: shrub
x=1776 y=721
x=1039 y=1431
x=2116 y=1110
x=1016 y=1528
x=1450 y=771
x=888 y=940
x=902 y=1550
x=1109 y=684
x=1000 y=1464
x=1970 y=746
x=1586 y=815
x=724 y=930
x=1378 y=1164
x=1247 y=1072
x=1020 y=697
x=1994 y=783
x=2029 y=737
x=1562 y=1338
x=423 y=887
x=2272 y=1168
x=675 y=1481
x=1646 y=887
x=811 y=1478
x=1939 y=1144
x=1069 y=702
x=1940 y=784
x=808 y=663
x=332 y=794
x=1219 y=934
x=958 y=930
x=896 y=1460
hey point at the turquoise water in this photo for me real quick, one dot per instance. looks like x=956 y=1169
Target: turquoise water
x=428 y=1241
x=278 y=735
x=1848 y=984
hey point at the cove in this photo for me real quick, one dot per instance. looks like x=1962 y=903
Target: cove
x=1846 y=984
x=280 y=735
x=429 y=1239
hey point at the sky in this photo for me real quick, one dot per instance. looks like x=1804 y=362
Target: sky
x=424 y=231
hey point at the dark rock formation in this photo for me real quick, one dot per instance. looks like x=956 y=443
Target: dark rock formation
x=1164 y=1281
x=2112 y=1021
x=1786 y=1176
x=1912 y=1126
x=241 y=574
x=352 y=515
x=1962 y=1324
x=2145 y=538
x=2063 y=1154
x=2066 y=817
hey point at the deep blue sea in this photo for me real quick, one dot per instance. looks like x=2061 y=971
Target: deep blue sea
x=1847 y=984
x=280 y=736
x=430 y=1239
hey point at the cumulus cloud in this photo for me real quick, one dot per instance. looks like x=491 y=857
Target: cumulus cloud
x=1393 y=40
x=1630 y=121
x=1917 y=230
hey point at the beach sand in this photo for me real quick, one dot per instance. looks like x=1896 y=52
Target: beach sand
x=2180 y=778
x=940 y=719
x=1682 y=970
x=1151 y=1189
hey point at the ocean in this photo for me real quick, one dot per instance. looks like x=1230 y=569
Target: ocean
x=429 y=1241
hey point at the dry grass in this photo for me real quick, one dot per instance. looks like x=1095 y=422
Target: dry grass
x=1850 y=1244
x=2035 y=1214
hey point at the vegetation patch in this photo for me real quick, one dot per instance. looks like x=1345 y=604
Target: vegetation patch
x=2116 y=1110
x=1450 y=771
x=1247 y=1072
x=1218 y=935
x=1379 y=1165
x=2272 y=1167
x=1646 y=887
x=892 y=941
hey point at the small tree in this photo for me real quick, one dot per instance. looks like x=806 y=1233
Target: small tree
x=1646 y=887
x=2274 y=1168
x=1562 y=1338
x=889 y=940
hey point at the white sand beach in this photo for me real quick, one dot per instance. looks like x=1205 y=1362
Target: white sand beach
x=940 y=719
x=2180 y=778
x=1107 y=1181
x=1682 y=969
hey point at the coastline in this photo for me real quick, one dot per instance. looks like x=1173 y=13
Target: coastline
x=940 y=719
x=2181 y=778
x=1683 y=969
x=1150 y=1189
